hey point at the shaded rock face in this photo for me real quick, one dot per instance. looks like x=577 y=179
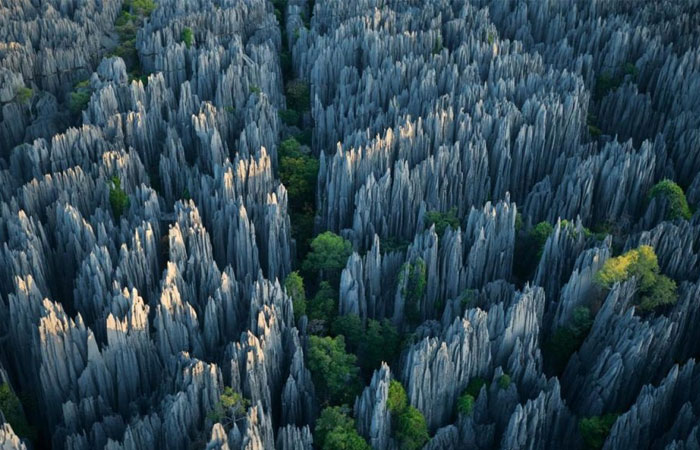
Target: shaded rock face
x=444 y=132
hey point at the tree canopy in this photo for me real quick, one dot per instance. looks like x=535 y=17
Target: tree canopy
x=677 y=204
x=595 y=430
x=409 y=426
x=12 y=410
x=335 y=430
x=329 y=253
x=118 y=199
x=294 y=284
x=230 y=408
x=333 y=370
x=654 y=289
x=442 y=220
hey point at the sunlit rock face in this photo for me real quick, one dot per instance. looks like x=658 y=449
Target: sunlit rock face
x=149 y=220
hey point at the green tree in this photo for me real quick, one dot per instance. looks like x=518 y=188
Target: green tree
x=377 y=342
x=442 y=220
x=298 y=95
x=24 y=94
x=654 y=289
x=12 y=410
x=414 y=290
x=289 y=117
x=381 y=343
x=504 y=381
x=324 y=305
x=79 y=100
x=230 y=408
x=335 y=430
x=677 y=204
x=350 y=326
x=465 y=404
x=142 y=7
x=294 y=284
x=411 y=429
x=595 y=430
x=409 y=426
x=333 y=370
x=298 y=172
x=566 y=340
x=118 y=199
x=187 y=36
x=328 y=255
x=529 y=249
x=397 y=400
x=474 y=386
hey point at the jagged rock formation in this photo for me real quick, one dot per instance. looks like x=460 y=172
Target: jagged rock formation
x=371 y=411
x=445 y=130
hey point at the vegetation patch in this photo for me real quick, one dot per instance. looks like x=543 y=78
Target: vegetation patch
x=414 y=289
x=654 y=290
x=230 y=408
x=335 y=430
x=595 y=430
x=12 y=410
x=529 y=248
x=677 y=204
x=442 y=220
x=294 y=284
x=565 y=341
x=376 y=342
x=187 y=36
x=408 y=423
x=24 y=94
x=118 y=199
x=333 y=370
x=298 y=95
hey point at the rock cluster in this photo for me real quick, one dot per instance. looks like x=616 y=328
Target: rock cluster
x=144 y=241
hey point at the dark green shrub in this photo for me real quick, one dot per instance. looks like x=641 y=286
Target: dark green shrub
x=393 y=244
x=289 y=117
x=79 y=100
x=529 y=249
x=294 y=284
x=474 y=386
x=12 y=410
x=298 y=172
x=324 y=305
x=377 y=342
x=381 y=343
x=565 y=341
x=504 y=381
x=335 y=430
x=118 y=199
x=141 y=7
x=409 y=426
x=677 y=204
x=350 y=326
x=187 y=36
x=411 y=429
x=442 y=220
x=414 y=290
x=465 y=404
x=298 y=95
x=24 y=94
x=333 y=370
x=595 y=430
